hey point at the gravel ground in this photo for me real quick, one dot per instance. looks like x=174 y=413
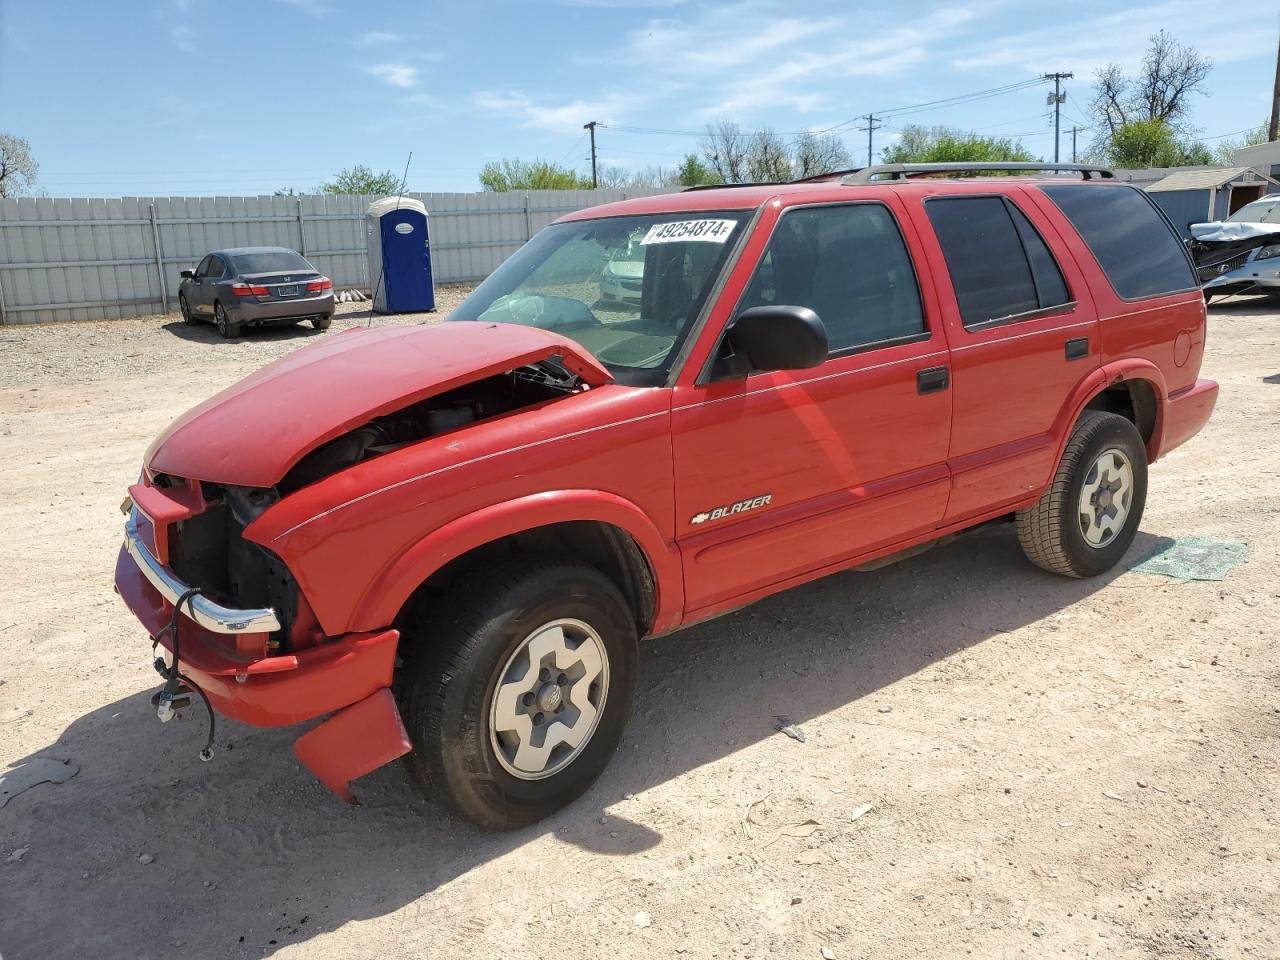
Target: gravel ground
x=997 y=762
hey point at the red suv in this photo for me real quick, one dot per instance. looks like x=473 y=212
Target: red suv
x=447 y=539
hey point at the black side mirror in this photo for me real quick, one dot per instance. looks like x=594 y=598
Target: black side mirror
x=777 y=338
x=186 y=274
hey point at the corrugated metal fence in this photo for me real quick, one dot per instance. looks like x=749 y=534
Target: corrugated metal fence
x=81 y=259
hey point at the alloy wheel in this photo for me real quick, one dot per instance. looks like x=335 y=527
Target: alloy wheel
x=549 y=699
x=1106 y=498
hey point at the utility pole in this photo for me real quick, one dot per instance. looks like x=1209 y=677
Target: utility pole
x=1074 y=130
x=592 y=127
x=872 y=126
x=1057 y=98
x=1275 y=101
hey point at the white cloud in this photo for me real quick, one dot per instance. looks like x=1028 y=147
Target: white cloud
x=376 y=38
x=1084 y=45
x=746 y=59
x=560 y=117
x=312 y=8
x=183 y=38
x=396 y=74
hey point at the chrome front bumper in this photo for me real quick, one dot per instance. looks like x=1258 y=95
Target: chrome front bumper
x=210 y=615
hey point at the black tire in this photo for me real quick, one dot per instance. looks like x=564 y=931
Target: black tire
x=322 y=323
x=452 y=660
x=1051 y=532
x=187 y=316
x=226 y=329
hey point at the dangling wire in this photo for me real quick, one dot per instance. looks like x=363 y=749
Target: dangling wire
x=173 y=675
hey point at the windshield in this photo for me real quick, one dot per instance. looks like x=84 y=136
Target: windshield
x=1260 y=211
x=626 y=288
x=269 y=261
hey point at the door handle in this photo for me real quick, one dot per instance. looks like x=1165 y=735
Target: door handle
x=932 y=380
x=1078 y=348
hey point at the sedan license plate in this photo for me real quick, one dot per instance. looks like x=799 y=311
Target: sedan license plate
x=288 y=291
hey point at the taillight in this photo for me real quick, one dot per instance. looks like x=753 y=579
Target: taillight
x=316 y=286
x=248 y=290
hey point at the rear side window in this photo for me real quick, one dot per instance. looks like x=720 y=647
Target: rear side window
x=1132 y=242
x=1001 y=268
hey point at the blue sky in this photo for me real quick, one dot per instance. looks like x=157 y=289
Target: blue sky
x=184 y=97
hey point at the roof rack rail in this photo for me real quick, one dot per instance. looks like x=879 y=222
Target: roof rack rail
x=829 y=175
x=730 y=186
x=904 y=171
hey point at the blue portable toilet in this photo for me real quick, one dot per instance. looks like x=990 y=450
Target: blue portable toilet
x=400 y=254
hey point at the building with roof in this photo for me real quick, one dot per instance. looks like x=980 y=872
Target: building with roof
x=1203 y=194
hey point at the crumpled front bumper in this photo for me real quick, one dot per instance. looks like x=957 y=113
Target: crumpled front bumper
x=1256 y=276
x=220 y=652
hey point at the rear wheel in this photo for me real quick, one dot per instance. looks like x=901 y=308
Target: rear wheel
x=227 y=329
x=322 y=322
x=516 y=689
x=1087 y=519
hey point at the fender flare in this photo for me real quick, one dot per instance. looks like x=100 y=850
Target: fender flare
x=386 y=595
x=1109 y=375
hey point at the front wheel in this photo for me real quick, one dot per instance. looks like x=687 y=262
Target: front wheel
x=1089 y=516
x=187 y=317
x=516 y=688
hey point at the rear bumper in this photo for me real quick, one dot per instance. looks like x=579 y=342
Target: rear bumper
x=252 y=312
x=1185 y=413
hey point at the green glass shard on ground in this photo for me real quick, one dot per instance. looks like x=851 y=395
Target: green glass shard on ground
x=1195 y=558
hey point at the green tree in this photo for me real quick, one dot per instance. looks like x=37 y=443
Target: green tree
x=18 y=168
x=919 y=144
x=515 y=174
x=1170 y=75
x=1153 y=143
x=362 y=180
x=692 y=172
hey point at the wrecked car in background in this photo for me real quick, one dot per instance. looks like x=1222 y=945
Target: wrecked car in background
x=1242 y=253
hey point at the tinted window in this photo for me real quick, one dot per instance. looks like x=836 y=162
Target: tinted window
x=1000 y=266
x=1132 y=242
x=850 y=266
x=269 y=261
x=216 y=268
x=203 y=269
x=1051 y=289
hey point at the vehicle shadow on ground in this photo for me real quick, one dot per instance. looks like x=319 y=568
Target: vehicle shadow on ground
x=256 y=856
x=208 y=333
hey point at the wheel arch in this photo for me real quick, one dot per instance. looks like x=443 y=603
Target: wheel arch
x=1133 y=388
x=602 y=529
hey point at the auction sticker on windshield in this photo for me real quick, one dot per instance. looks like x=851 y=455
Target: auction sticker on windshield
x=684 y=231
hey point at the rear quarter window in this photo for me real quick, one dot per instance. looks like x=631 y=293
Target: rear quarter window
x=1132 y=242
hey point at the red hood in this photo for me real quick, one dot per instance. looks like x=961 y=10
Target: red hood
x=251 y=434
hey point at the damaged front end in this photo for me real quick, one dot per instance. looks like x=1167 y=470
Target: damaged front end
x=227 y=614
x=1234 y=258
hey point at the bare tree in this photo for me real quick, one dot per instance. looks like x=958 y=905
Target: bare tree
x=767 y=158
x=1171 y=72
x=725 y=149
x=814 y=154
x=18 y=168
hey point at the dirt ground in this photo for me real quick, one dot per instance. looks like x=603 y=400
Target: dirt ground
x=1054 y=768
